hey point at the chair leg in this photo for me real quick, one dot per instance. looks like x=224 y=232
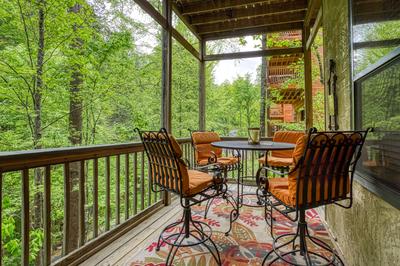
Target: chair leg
x=302 y=234
x=191 y=233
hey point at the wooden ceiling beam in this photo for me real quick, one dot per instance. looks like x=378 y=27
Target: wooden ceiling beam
x=177 y=36
x=258 y=10
x=206 y=6
x=160 y=19
x=251 y=23
x=178 y=12
x=267 y=52
x=253 y=31
x=312 y=10
x=314 y=29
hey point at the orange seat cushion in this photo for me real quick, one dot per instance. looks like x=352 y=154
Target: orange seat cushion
x=223 y=161
x=276 y=161
x=283 y=195
x=274 y=183
x=198 y=181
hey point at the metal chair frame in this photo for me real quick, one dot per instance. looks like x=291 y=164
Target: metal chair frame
x=307 y=167
x=165 y=170
x=225 y=169
x=276 y=170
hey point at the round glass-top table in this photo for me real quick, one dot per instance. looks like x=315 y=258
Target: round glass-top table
x=240 y=145
x=244 y=145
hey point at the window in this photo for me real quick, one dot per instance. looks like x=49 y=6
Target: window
x=376 y=68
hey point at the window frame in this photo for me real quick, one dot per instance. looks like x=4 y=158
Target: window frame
x=387 y=193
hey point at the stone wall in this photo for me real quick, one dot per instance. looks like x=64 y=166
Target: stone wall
x=369 y=232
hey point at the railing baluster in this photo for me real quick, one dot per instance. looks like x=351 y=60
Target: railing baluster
x=95 y=197
x=117 y=189
x=142 y=183
x=25 y=217
x=149 y=181
x=252 y=163
x=67 y=209
x=47 y=216
x=126 y=186
x=1 y=218
x=135 y=183
x=82 y=228
x=108 y=189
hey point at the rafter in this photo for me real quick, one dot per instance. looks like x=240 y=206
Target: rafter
x=253 y=31
x=268 y=52
x=274 y=19
x=261 y=9
x=312 y=10
x=206 y=6
x=178 y=12
x=160 y=19
x=314 y=29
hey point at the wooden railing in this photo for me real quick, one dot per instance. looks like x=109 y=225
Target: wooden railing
x=72 y=202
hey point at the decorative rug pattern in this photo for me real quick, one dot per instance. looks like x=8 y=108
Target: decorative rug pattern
x=247 y=244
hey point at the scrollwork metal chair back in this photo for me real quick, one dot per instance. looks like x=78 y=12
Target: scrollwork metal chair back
x=165 y=163
x=326 y=169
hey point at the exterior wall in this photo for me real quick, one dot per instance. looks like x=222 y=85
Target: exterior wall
x=368 y=233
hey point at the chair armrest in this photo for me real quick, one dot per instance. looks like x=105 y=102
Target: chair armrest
x=215 y=169
x=186 y=162
x=213 y=158
x=269 y=169
x=262 y=181
x=208 y=168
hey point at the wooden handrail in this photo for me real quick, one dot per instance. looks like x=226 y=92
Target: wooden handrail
x=19 y=160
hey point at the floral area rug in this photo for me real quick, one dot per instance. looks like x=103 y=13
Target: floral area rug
x=247 y=244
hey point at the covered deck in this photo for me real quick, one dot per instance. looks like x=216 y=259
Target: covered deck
x=118 y=224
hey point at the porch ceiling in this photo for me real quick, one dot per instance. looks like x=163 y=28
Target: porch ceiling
x=215 y=19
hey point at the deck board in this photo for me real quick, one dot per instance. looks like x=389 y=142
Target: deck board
x=121 y=249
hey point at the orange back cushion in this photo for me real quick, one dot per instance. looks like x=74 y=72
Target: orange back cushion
x=203 y=148
x=288 y=137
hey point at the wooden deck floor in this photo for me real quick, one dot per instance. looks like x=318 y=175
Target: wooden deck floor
x=123 y=248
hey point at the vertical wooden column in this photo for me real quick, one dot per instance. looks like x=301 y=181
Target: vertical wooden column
x=167 y=66
x=166 y=114
x=202 y=86
x=308 y=106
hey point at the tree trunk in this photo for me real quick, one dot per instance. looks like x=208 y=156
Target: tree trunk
x=37 y=128
x=75 y=133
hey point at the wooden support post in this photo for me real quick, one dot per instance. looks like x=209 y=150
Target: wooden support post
x=202 y=86
x=167 y=76
x=308 y=107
